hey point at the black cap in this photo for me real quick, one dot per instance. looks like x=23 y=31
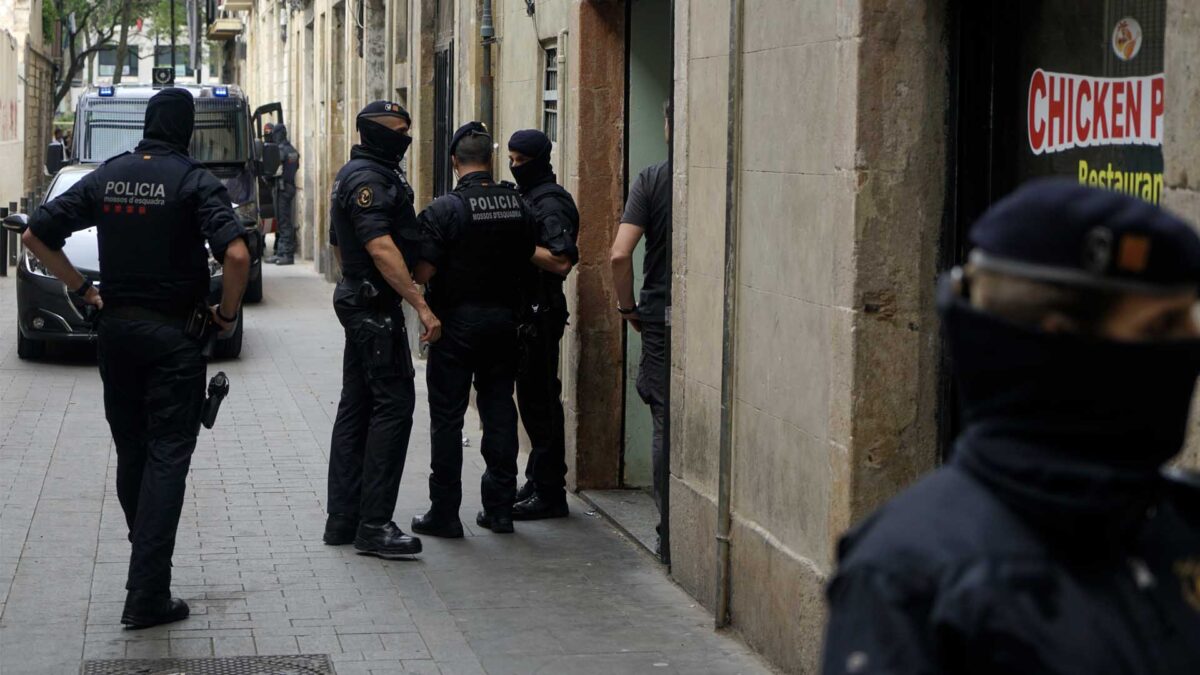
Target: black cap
x=1059 y=231
x=383 y=109
x=468 y=129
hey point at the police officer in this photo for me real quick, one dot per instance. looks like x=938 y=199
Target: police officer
x=538 y=386
x=479 y=240
x=1052 y=541
x=374 y=233
x=285 y=195
x=153 y=208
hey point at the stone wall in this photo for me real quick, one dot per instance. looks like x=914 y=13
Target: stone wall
x=1181 y=143
x=834 y=367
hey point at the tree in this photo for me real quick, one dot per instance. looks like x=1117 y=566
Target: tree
x=93 y=26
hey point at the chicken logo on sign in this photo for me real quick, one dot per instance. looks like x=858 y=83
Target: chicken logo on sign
x=1127 y=38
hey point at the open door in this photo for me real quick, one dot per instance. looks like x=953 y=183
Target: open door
x=271 y=113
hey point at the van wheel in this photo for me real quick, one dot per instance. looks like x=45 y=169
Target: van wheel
x=231 y=347
x=29 y=349
x=254 y=291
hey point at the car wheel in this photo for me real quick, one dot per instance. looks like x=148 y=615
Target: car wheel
x=29 y=349
x=254 y=291
x=230 y=347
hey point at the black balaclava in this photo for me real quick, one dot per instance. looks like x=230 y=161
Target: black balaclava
x=279 y=134
x=1069 y=430
x=379 y=140
x=537 y=147
x=170 y=118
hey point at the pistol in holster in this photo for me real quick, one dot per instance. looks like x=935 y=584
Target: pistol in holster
x=218 y=389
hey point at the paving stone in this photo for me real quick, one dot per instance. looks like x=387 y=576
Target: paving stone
x=559 y=596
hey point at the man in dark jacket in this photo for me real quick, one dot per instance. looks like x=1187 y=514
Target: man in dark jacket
x=538 y=387
x=374 y=234
x=285 y=197
x=1052 y=541
x=153 y=209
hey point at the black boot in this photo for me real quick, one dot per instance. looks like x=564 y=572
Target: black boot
x=144 y=609
x=500 y=523
x=284 y=260
x=527 y=490
x=536 y=508
x=436 y=524
x=340 y=529
x=385 y=541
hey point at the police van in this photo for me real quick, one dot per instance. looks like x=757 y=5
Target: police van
x=109 y=121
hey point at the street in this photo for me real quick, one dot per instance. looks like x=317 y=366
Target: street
x=560 y=596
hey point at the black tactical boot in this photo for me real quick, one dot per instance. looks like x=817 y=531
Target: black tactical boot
x=385 y=541
x=536 y=508
x=340 y=529
x=500 y=523
x=436 y=524
x=284 y=260
x=144 y=609
x=527 y=490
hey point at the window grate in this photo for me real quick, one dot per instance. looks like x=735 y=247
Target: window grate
x=550 y=92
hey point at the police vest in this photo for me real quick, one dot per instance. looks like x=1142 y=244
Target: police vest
x=491 y=253
x=545 y=289
x=151 y=247
x=291 y=165
x=405 y=230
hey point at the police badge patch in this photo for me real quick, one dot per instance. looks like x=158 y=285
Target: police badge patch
x=366 y=197
x=1189 y=579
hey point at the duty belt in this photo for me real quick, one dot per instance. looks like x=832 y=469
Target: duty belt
x=136 y=313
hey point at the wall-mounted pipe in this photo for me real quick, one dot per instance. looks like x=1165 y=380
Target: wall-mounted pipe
x=729 y=313
x=487 y=34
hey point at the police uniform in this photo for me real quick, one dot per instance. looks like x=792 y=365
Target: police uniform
x=154 y=209
x=374 y=418
x=479 y=238
x=285 y=195
x=539 y=388
x=1051 y=542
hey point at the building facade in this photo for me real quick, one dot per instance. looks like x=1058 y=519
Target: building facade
x=827 y=159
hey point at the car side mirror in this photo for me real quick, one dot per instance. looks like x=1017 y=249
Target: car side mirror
x=17 y=222
x=272 y=162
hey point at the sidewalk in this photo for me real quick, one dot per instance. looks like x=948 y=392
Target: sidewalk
x=565 y=596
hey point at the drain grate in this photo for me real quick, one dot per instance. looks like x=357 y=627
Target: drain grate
x=306 y=664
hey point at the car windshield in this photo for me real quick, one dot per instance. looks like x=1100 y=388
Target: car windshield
x=111 y=126
x=63 y=182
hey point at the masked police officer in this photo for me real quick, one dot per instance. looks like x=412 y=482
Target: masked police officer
x=285 y=196
x=153 y=209
x=1052 y=542
x=538 y=386
x=479 y=240
x=375 y=235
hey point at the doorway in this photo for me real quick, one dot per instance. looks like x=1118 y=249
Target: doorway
x=648 y=86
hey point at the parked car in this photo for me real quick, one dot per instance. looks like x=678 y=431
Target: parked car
x=46 y=309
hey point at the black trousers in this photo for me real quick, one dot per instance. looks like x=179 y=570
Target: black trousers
x=153 y=397
x=539 y=392
x=478 y=344
x=652 y=388
x=285 y=224
x=375 y=415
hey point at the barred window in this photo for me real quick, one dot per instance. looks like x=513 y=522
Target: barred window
x=550 y=91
